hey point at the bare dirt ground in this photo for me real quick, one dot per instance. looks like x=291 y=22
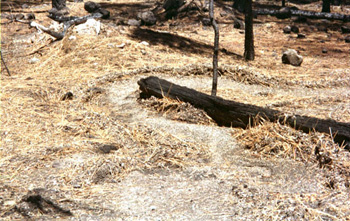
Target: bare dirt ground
x=107 y=154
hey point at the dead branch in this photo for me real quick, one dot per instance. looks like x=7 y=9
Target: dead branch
x=67 y=23
x=3 y=61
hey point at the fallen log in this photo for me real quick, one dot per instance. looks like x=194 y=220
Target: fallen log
x=235 y=114
x=288 y=12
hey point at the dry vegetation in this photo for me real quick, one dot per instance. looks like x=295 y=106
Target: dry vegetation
x=83 y=154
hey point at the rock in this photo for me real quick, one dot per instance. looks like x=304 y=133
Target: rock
x=78 y=1
x=67 y=96
x=345 y=29
x=294 y=29
x=324 y=50
x=290 y=56
x=206 y=22
x=19 y=16
x=91 y=6
x=347 y=39
x=105 y=13
x=145 y=43
x=287 y=29
x=90 y=27
x=34 y=60
x=301 y=35
x=24 y=6
x=107 y=148
x=239 y=24
x=147 y=18
x=134 y=22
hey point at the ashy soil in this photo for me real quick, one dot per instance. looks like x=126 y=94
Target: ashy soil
x=101 y=152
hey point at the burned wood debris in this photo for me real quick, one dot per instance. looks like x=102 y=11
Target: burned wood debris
x=288 y=12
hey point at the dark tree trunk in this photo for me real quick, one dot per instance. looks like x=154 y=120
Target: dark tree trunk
x=58 y=4
x=235 y=114
x=326 y=6
x=249 y=35
x=283 y=3
x=239 y=5
x=216 y=48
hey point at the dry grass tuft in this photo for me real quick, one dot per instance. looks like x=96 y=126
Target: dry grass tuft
x=178 y=110
x=276 y=140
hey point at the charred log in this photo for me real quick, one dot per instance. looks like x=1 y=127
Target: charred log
x=235 y=114
x=308 y=14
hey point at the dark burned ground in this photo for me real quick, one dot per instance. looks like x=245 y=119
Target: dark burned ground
x=107 y=154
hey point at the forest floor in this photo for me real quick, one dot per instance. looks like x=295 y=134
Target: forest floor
x=106 y=154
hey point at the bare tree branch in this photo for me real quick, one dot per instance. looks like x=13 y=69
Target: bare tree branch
x=2 y=59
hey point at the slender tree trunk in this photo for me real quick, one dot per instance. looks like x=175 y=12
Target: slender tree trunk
x=216 y=48
x=283 y=3
x=326 y=6
x=249 y=53
x=58 y=4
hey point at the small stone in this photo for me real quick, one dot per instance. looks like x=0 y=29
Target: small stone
x=143 y=52
x=19 y=16
x=300 y=35
x=145 y=43
x=134 y=22
x=34 y=60
x=294 y=29
x=91 y=6
x=24 y=6
x=107 y=148
x=291 y=56
x=153 y=208
x=147 y=18
x=324 y=50
x=122 y=45
x=72 y=38
x=67 y=96
x=287 y=29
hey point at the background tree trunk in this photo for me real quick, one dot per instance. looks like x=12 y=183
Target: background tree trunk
x=58 y=4
x=216 y=48
x=283 y=3
x=239 y=5
x=249 y=53
x=326 y=6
